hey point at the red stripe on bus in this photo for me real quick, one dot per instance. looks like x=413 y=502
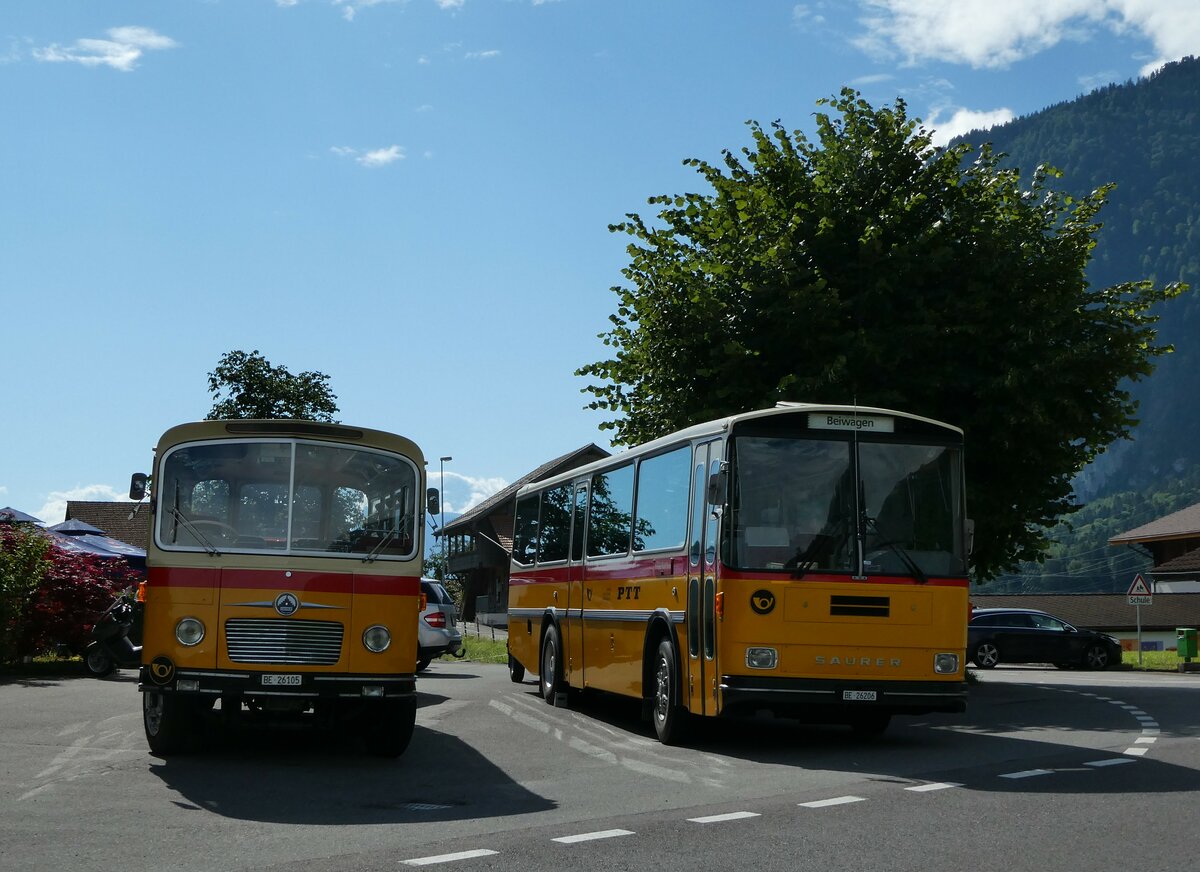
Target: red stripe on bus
x=276 y=579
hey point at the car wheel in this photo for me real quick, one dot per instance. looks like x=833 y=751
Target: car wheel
x=516 y=672
x=1096 y=657
x=423 y=664
x=670 y=719
x=97 y=661
x=550 y=669
x=986 y=655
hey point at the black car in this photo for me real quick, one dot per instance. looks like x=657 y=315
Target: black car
x=1029 y=636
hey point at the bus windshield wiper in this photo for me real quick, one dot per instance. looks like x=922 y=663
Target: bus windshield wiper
x=180 y=518
x=383 y=543
x=905 y=557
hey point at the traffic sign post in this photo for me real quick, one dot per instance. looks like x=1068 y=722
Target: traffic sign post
x=1139 y=594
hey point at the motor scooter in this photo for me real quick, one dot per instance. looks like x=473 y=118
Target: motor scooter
x=116 y=638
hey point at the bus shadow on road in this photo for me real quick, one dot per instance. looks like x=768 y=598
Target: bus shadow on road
x=324 y=777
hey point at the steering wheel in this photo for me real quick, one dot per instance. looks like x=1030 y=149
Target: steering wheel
x=223 y=531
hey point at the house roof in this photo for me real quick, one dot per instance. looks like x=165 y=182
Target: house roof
x=469 y=519
x=113 y=518
x=1183 y=524
x=1104 y=611
x=1184 y=564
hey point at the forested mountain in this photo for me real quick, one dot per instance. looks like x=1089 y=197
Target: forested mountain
x=1144 y=136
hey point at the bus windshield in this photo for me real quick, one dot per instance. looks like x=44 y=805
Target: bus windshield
x=840 y=505
x=288 y=496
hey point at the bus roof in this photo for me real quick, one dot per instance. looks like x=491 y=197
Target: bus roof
x=256 y=428
x=724 y=425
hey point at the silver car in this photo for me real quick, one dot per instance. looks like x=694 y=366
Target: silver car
x=437 y=628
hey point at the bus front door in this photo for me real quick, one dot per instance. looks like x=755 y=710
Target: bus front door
x=702 y=668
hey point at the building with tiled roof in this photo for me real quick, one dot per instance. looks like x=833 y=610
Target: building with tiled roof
x=1174 y=542
x=479 y=541
x=118 y=520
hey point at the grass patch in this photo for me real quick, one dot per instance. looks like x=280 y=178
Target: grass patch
x=1152 y=661
x=483 y=650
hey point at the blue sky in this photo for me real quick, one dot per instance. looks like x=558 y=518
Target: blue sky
x=412 y=196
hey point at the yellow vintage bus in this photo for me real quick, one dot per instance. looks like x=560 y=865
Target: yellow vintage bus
x=808 y=560
x=283 y=579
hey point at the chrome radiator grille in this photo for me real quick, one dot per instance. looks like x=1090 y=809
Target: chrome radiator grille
x=259 y=640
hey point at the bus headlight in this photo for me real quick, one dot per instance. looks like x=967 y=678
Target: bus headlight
x=377 y=638
x=945 y=664
x=189 y=632
x=761 y=658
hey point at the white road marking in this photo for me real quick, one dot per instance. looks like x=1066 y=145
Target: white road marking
x=838 y=800
x=1145 y=740
x=939 y=785
x=449 y=858
x=588 y=837
x=1136 y=752
x=1112 y=761
x=718 y=818
x=1028 y=773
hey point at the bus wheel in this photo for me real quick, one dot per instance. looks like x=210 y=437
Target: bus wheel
x=669 y=717
x=516 y=672
x=390 y=729
x=550 y=670
x=169 y=721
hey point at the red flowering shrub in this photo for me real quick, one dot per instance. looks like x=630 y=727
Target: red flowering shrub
x=75 y=592
x=50 y=599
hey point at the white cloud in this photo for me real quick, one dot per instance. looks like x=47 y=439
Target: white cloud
x=964 y=121
x=482 y=55
x=985 y=33
x=382 y=156
x=451 y=4
x=55 y=509
x=479 y=490
x=121 y=51
x=378 y=157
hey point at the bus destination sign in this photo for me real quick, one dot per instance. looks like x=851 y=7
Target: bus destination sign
x=851 y=421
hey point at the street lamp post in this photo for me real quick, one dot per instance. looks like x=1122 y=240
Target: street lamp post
x=442 y=506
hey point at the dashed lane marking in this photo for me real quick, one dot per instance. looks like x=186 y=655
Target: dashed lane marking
x=938 y=785
x=1028 y=773
x=719 y=818
x=449 y=858
x=837 y=800
x=1112 y=761
x=591 y=837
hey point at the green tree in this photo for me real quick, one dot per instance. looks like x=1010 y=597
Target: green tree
x=247 y=386
x=874 y=268
x=24 y=563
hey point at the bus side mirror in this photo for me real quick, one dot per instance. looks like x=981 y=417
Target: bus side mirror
x=137 y=486
x=717 y=484
x=970 y=536
x=433 y=503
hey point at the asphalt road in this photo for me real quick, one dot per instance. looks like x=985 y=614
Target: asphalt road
x=1047 y=769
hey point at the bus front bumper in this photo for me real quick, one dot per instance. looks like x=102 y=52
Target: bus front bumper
x=837 y=698
x=320 y=685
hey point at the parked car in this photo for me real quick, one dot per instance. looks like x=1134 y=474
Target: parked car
x=1029 y=636
x=437 y=628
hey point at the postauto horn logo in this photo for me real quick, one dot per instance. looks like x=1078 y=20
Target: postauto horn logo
x=762 y=602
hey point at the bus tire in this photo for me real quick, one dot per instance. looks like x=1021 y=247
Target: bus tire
x=550 y=666
x=516 y=672
x=669 y=717
x=169 y=721
x=391 y=728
